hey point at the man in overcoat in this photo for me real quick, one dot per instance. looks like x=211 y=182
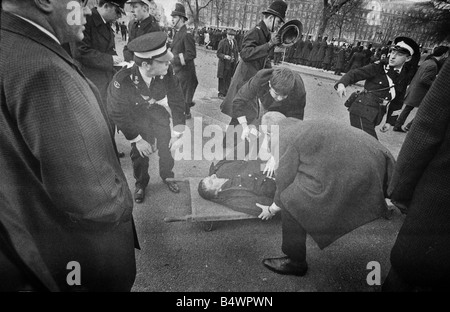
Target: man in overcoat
x=145 y=101
x=420 y=85
x=142 y=23
x=420 y=185
x=66 y=209
x=97 y=51
x=307 y=47
x=256 y=45
x=184 y=50
x=331 y=179
x=383 y=82
x=228 y=57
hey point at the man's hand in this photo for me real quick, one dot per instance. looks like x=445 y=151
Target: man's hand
x=227 y=57
x=269 y=169
x=265 y=214
x=385 y=127
x=117 y=60
x=245 y=132
x=144 y=148
x=341 y=90
x=275 y=39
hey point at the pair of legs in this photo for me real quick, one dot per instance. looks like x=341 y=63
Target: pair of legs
x=224 y=82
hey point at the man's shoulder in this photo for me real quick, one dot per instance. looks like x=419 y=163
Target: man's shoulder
x=122 y=78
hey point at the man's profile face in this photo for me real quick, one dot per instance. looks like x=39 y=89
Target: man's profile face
x=139 y=11
x=68 y=20
x=157 y=68
x=212 y=182
x=112 y=13
x=398 y=58
x=176 y=21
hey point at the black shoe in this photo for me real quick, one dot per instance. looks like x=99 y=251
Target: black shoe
x=173 y=186
x=192 y=104
x=398 y=129
x=121 y=154
x=286 y=266
x=139 y=195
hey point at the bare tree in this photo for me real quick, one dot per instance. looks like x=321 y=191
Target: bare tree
x=347 y=14
x=245 y=10
x=219 y=6
x=194 y=9
x=330 y=8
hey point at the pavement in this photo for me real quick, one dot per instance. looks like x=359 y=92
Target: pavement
x=191 y=256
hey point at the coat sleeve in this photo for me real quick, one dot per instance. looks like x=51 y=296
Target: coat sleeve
x=358 y=74
x=220 y=50
x=287 y=167
x=91 y=57
x=297 y=99
x=175 y=98
x=244 y=99
x=423 y=140
x=244 y=201
x=428 y=75
x=252 y=49
x=120 y=107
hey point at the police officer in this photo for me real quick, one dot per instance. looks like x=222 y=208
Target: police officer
x=383 y=81
x=143 y=23
x=184 y=50
x=146 y=101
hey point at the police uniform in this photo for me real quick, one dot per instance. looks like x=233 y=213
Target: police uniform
x=383 y=84
x=145 y=111
x=139 y=28
x=184 y=50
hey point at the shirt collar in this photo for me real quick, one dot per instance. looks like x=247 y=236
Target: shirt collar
x=45 y=31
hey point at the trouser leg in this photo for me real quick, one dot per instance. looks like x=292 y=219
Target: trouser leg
x=140 y=167
x=293 y=237
x=404 y=115
x=363 y=124
x=222 y=86
x=166 y=161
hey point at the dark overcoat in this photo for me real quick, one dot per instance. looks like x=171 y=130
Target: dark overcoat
x=307 y=47
x=184 y=51
x=254 y=54
x=64 y=195
x=95 y=52
x=314 y=50
x=246 y=101
x=226 y=49
x=421 y=82
x=137 y=29
x=421 y=180
x=332 y=178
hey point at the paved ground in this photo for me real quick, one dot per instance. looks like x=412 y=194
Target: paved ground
x=183 y=257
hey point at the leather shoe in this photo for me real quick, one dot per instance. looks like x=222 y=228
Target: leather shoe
x=286 y=266
x=139 y=195
x=121 y=154
x=173 y=186
x=398 y=129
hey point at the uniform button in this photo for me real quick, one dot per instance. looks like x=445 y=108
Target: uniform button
x=380 y=82
x=240 y=185
x=249 y=175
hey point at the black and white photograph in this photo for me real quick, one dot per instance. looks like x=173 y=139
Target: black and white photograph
x=225 y=153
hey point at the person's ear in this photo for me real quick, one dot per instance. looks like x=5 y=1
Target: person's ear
x=45 y=5
x=408 y=58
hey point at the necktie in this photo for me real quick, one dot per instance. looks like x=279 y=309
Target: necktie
x=231 y=43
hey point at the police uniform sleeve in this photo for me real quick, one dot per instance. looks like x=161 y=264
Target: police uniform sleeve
x=120 y=106
x=247 y=94
x=358 y=74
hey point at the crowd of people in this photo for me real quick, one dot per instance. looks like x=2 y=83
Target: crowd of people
x=65 y=93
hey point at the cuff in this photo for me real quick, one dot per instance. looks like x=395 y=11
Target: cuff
x=138 y=138
x=182 y=60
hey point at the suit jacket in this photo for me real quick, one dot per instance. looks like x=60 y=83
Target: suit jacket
x=137 y=29
x=64 y=193
x=247 y=185
x=332 y=178
x=254 y=53
x=421 y=82
x=129 y=102
x=246 y=101
x=226 y=49
x=95 y=52
x=421 y=181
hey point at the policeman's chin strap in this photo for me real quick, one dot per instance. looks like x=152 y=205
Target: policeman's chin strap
x=176 y=24
x=273 y=23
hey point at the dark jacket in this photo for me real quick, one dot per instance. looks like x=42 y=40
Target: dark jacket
x=247 y=186
x=226 y=49
x=137 y=29
x=421 y=83
x=307 y=47
x=254 y=53
x=375 y=79
x=332 y=178
x=246 y=102
x=95 y=52
x=421 y=180
x=63 y=194
x=128 y=102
